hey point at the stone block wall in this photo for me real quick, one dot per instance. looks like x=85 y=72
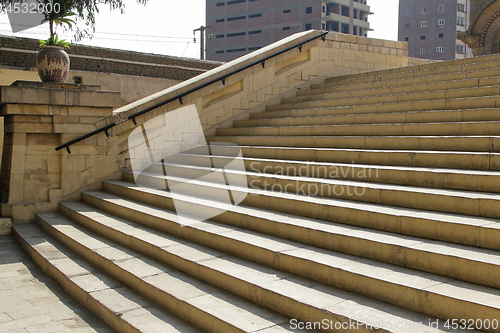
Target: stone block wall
x=38 y=118
x=18 y=53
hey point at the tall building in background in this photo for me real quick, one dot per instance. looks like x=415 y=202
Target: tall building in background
x=431 y=26
x=237 y=27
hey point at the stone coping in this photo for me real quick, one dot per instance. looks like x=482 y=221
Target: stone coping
x=142 y=104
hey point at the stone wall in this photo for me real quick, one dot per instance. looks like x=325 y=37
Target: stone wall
x=38 y=118
x=18 y=53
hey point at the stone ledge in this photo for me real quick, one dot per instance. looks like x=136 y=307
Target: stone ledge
x=61 y=94
x=55 y=85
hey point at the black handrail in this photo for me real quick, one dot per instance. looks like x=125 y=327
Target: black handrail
x=86 y=136
x=179 y=97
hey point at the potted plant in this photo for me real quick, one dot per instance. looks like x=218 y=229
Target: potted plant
x=61 y=12
x=52 y=61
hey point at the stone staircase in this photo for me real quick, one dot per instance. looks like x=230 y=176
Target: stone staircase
x=372 y=205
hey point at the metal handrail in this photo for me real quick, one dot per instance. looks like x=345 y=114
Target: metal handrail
x=179 y=97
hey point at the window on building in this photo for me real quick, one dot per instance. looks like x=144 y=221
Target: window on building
x=461 y=22
x=236 y=18
x=422 y=50
x=286 y=11
x=422 y=37
x=440 y=49
x=308 y=26
x=253 y=32
x=254 y=15
x=423 y=24
x=219 y=20
x=236 y=34
x=407 y=39
x=407 y=25
x=346 y=11
x=441 y=35
x=345 y=28
x=335 y=26
x=309 y=10
x=462 y=7
x=424 y=10
x=323 y=26
x=286 y=28
x=407 y=12
x=236 y=50
x=219 y=4
x=323 y=9
x=440 y=8
x=460 y=49
x=441 y=22
x=233 y=2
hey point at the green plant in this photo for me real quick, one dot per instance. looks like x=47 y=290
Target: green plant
x=55 y=41
x=59 y=15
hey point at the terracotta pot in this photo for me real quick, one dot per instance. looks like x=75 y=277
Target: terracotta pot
x=52 y=64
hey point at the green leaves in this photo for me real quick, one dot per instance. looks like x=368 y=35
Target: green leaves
x=55 y=41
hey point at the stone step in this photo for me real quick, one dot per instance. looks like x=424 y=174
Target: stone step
x=408 y=158
x=255 y=282
x=197 y=302
x=424 y=143
x=449 y=73
x=374 y=110
x=197 y=165
x=436 y=199
x=445 y=297
x=487 y=97
x=452 y=66
x=119 y=306
x=433 y=116
x=485 y=77
x=450 y=89
x=389 y=129
x=454 y=228
x=436 y=257
x=402 y=83
x=309 y=108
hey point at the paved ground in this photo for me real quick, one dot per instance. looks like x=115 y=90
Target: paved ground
x=32 y=302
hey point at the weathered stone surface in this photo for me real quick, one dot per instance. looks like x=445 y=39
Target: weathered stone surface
x=5 y=226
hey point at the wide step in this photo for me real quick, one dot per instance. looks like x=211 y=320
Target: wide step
x=206 y=306
x=331 y=268
x=263 y=285
x=120 y=307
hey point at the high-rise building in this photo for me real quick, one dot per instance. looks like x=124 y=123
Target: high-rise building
x=237 y=27
x=431 y=26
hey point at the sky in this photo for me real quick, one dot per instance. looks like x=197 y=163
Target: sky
x=166 y=26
